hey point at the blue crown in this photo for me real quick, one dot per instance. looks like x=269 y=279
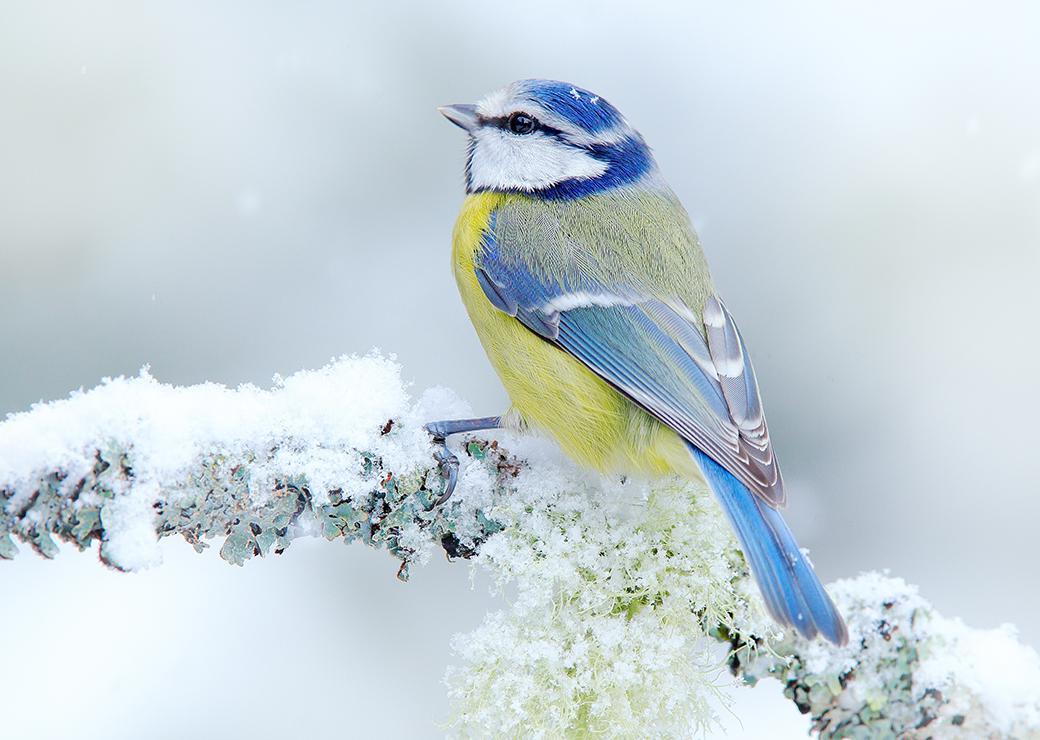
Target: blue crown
x=584 y=109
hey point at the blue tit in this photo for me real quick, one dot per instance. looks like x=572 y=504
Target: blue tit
x=590 y=293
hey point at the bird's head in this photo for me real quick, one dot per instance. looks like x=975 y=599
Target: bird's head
x=549 y=139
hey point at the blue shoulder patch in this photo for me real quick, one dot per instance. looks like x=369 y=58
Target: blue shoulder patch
x=510 y=286
x=584 y=109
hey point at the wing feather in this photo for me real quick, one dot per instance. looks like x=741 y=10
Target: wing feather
x=687 y=366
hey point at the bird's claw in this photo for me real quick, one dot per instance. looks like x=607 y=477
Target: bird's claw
x=448 y=463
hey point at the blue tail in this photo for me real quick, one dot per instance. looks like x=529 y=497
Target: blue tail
x=792 y=592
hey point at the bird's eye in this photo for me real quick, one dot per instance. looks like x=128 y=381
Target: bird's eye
x=521 y=123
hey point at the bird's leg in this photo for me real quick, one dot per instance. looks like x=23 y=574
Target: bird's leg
x=449 y=464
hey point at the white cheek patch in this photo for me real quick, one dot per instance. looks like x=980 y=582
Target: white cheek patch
x=505 y=161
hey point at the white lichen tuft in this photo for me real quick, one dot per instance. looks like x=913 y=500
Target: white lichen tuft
x=617 y=587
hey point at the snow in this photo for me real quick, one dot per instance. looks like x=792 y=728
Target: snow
x=130 y=530
x=998 y=675
x=312 y=423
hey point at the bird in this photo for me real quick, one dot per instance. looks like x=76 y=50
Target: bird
x=591 y=295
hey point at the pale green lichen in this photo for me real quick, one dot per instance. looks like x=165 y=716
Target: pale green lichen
x=216 y=500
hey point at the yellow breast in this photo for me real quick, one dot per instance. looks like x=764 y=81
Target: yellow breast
x=551 y=390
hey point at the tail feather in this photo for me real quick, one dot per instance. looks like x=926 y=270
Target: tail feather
x=792 y=592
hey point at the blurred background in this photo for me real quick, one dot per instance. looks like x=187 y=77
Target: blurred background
x=225 y=191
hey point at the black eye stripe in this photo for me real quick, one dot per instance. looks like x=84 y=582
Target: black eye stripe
x=502 y=122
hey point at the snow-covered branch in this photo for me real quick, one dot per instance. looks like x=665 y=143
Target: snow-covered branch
x=631 y=599
x=339 y=452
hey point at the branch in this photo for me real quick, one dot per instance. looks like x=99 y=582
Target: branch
x=618 y=585
x=335 y=453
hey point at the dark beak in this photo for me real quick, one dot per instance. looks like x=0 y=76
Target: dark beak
x=463 y=115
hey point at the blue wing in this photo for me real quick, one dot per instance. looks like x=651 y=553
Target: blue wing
x=653 y=350
x=693 y=373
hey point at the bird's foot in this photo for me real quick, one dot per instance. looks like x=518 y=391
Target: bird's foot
x=447 y=462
